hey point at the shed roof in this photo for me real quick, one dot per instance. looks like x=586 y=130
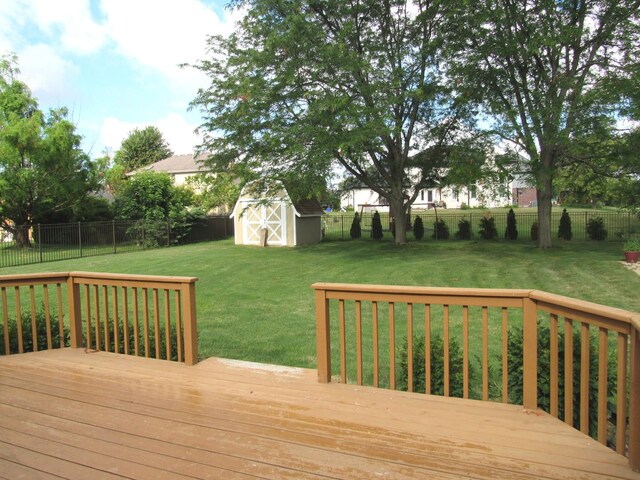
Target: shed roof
x=276 y=194
x=308 y=208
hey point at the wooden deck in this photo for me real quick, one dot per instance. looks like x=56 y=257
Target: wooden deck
x=71 y=414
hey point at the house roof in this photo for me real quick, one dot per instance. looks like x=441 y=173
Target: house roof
x=176 y=164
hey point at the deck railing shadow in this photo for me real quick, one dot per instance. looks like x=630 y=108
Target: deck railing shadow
x=369 y=335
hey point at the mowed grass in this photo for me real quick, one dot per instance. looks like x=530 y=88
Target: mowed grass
x=256 y=303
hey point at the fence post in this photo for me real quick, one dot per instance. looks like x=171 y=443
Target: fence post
x=586 y=220
x=323 y=337
x=634 y=401
x=188 y=294
x=40 y=242
x=113 y=230
x=75 y=315
x=529 y=354
x=80 y=238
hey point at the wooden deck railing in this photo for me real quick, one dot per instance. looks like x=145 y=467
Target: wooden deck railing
x=153 y=316
x=514 y=346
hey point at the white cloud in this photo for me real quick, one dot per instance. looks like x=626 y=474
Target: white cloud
x=176 y=130
x=162 y=34
x=77 y=31
x=45 y=72
x=67 y=26
x=11 y=21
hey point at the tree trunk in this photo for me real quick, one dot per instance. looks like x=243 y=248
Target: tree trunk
x=543 y=195
x=397 y=210
x=22 y=236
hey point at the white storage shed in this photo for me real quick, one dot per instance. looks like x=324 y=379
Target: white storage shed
x=271 y=218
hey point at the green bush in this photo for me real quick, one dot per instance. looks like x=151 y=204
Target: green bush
x=132 y=339
x=511 y=232
x=464 y=230
x=418 y=228
x=564 y=229
x=437 y=366
x=356 y=229
x=440 y=230
x=534 y=231
x=376 y=227
x=27 y=334
x=488 y=229
x=515 y=370
x=596 y=229
x=150 y=234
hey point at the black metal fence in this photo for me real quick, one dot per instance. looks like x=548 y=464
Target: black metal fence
x=48 y=243
x=617 y=225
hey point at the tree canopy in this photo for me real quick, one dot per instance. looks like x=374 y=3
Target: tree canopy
x=541 y=70
x=42 y=167
x=303 y=86
x=141 y=148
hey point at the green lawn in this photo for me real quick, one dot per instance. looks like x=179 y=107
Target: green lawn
x=256 y=303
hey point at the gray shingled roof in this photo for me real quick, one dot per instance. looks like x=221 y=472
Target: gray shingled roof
x=177 y=164
x=309 y=208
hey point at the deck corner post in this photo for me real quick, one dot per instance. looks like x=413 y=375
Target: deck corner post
x=323 y=337
x=634 y=402
x=75 y=313
x=188 y=293
x=530 y=354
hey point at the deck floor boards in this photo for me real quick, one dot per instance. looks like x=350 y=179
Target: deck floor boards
x=71 y=414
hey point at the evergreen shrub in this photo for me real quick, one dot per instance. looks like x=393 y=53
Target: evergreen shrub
x=596 y=229
x=440 y=230
x=511 y=232
x=376 y=227
x=464 y=230
x=534 y=231
x=488 y=229
x=418 y=228
x=564 y=229
x=356 y=229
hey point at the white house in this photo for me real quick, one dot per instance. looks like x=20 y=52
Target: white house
x=366 y=199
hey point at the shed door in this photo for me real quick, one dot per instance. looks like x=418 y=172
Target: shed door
x=273 y=217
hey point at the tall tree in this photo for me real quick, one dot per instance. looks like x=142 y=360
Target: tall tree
x=538 y=66
x=42 y=167
x=141 y=148
x=302 y=86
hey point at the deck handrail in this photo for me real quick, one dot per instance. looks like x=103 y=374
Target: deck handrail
x=565 y=316
x=106 y=311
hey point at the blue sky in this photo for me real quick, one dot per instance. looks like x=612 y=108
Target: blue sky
x=113 y=63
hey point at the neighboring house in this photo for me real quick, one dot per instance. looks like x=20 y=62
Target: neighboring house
x=179 y=167
x=523 y=194
x=366 y=199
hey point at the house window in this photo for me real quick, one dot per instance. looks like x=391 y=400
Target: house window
x=473 y=191
x=430 y=196
x=421 y=195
